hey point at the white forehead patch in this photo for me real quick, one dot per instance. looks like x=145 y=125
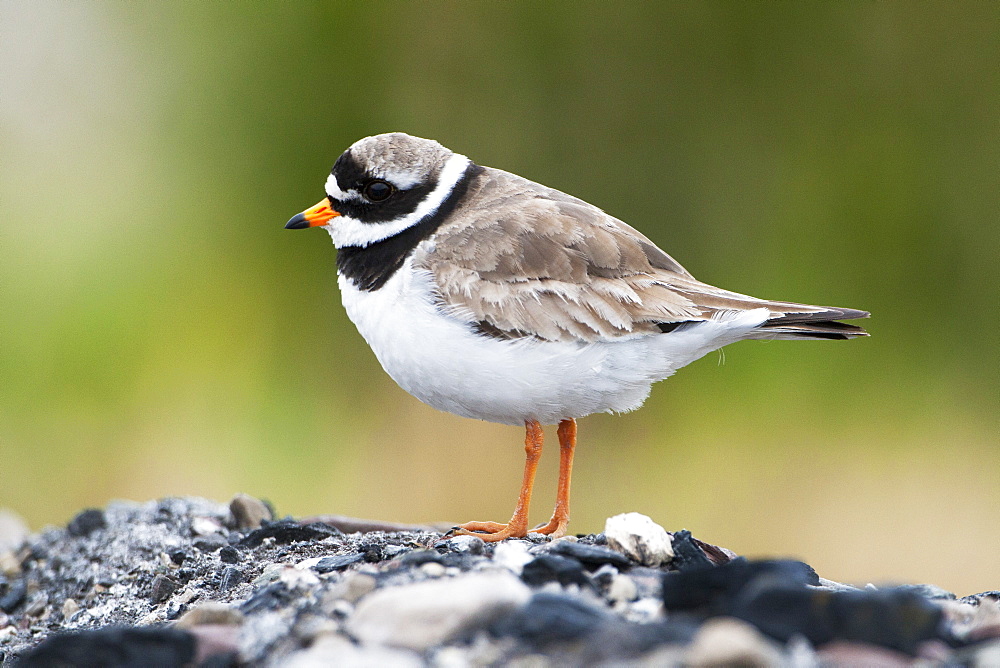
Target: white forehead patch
x=334 y=191
x=347 y=231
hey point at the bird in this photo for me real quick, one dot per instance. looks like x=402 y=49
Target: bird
x=490 y=296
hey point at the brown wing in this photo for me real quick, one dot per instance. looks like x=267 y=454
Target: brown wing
x=525 y=260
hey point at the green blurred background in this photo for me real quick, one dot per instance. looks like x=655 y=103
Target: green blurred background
x=161 y=334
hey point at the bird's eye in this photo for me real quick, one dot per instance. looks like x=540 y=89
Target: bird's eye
x=377 y=191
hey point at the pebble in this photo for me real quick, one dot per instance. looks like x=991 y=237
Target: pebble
x=554 y=568
x=639 y=538
x=70 y=607
x=352 y=587
x=905 y=619
x=288 y=531
x=14 y=595
x=210 y=612
x=512 y=555
x=432 y=569
x=86 y=522
x=550 y=617
x=13 y=530
x=337 y=562
x=419 y=616
x=622 y=589
x=248 y=512
x=229 y=578
x=229 y=555
x=336 y=650
x=470 y=544
x=725 y=641
x=591 y=556
x=298 y=578
x=687 y=555
x=205 y=526
x=644 y=610
x=125 y=646
x=162 y=588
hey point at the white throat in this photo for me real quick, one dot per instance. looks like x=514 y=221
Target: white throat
x=347 y=231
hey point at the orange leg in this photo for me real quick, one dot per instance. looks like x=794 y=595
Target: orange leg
x=518 y=525
x=567 y=446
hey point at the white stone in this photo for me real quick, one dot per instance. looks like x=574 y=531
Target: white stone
x=425 y=614
x=298 y=578
x=432 y=569
x=644 y=611
x=727 y=641
x=335 y=650
x=638 y=537
x=13 y=530
x=512 y=555
x=205 y=526
x=622 y=588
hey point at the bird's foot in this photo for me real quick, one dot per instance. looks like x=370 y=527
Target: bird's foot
x=491 y=532
x=556 y=528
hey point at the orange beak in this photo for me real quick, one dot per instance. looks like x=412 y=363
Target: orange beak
x=315 y=216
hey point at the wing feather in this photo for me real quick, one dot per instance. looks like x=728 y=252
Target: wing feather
x=522 y=260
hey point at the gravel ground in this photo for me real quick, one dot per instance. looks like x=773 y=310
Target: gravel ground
x=186 y=581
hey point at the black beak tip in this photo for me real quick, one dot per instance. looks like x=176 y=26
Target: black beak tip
x=298 y=222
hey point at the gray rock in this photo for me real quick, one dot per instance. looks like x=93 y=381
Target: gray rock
x=421 y=615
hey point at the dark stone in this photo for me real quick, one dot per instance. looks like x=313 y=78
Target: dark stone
x=929 y=591
x=553 y=567
x=229 y=555
x=550 y=617
x=711 y=590
x=592 y=556
x=230 y=577
x=86 y=522
x=418 y=557
x=289 y=531
x=178 y=556
x=897 y=619
x=115 y=646
x=374 y=554
x=976 y=599
x=687 y=555
x=618 y=639
x=270 y=597
x=338 y=562
x=13 y=596
x=163 y=587
x=462 y=560
x=210 y=543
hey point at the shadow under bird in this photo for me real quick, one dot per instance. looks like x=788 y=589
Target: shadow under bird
x=490 y=296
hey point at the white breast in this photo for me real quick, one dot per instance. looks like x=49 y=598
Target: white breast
x=441 y=361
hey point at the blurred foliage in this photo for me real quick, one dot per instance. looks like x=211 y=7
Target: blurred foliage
x=161 y=334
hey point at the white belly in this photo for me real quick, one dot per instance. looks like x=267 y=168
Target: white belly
x=441 y=361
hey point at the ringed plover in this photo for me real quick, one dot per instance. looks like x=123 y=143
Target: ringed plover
x=490 y=296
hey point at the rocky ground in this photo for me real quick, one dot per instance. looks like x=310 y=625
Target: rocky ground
x=190 y=582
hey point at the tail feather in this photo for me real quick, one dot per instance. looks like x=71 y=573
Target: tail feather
x=821 y=324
